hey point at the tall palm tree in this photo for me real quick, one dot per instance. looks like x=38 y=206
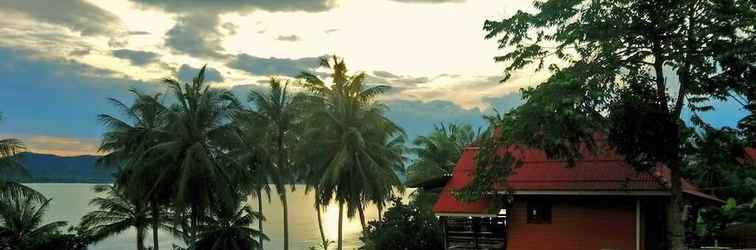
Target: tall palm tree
x=21 y=217
x=9 y=147
x=127 y=142
x=198 y=122
x=115 y=214
x=347 y=139
x=277 y=115
x=229 y=228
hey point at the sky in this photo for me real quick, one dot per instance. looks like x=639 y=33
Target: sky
x=61 y=60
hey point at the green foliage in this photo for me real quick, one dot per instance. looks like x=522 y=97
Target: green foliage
x=437 y=152
x=227 y=228
x=21 y=221
x=404 y=226
x=114 y=214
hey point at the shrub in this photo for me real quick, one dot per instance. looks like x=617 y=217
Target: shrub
x=404 y=227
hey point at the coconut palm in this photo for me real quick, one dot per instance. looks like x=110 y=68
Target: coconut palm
x=438 y=151
x=198 y=122
x=21 y=218
x=127 y=142
x=116 y=213
x=275 y=117
x=347 y=140
x=226 y=228
x=9 y=147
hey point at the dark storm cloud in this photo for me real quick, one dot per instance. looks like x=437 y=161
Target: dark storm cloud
x=273 y=66
x=289 y=38
x=75 y=14
x=136 y=57
x=186 y=73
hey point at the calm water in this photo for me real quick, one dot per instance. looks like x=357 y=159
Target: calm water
x=71 y=202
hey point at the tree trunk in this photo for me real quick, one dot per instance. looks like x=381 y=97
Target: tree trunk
x=285 y=218
x=341 y=217
x=675 y=211
x=155 y=224
x=380 y=213
x=140 y=237
x=362 y=217
x=320 y=224
x=260 y=210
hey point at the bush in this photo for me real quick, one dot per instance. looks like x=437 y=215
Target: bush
x=404 y=227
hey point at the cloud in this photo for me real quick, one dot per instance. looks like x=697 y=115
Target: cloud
x=186 y=73
x=138 y=33
x=60 y=98
x=196 y=35
x=64 y=146
x=240 y=5
x=136 y=57
x=429 y=1
x=76 y=15
x=384 y=74
x=273 y=66
x=289 y=38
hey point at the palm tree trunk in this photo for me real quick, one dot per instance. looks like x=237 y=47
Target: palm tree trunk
x=155 y=224
x=285 y=218
x=260 y=210
x=320 y=223
x=362 y=217
x=341 y=217
x=380 y=213
x=140 y=237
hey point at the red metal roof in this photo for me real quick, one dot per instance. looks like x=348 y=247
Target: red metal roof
x=606 y=172
x=751 y=153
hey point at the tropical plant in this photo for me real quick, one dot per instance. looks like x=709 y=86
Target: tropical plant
x=9 y=147
x=115 y=214
x=21 y=220
x=612 y=65
x=127 y=142
x=275 y=117
x=438 y=151
x=405 y=226
x=225 y=228
x=346 y=142
x=198 y=172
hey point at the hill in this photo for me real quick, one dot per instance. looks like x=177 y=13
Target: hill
x=62 y=169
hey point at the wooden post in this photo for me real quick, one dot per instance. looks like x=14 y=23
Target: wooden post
x=443 y=231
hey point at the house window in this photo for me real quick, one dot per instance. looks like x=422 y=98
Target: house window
x=539 y=212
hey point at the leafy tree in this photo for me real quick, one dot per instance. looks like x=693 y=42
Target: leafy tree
x=21 y=220
x=127 y=143
x=612 y=65
x=9 y=147
x=437 y=152
x=198 y=123
x=404 y=226
x=276 y=116
x=115 y=214
x=225 y=228
x=346 y=141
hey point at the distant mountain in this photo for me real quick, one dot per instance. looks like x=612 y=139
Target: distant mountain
x=63 y=169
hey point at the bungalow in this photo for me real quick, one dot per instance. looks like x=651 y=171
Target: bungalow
x=601 y=203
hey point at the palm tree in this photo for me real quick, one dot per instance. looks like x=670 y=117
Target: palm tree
x=9 y=148
x=275 y=117
x=21 y=218
x=198 y=122
x=225 y=228
x=438 y=151
x=127 y=142
x=347 y=136
x=115 y=214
